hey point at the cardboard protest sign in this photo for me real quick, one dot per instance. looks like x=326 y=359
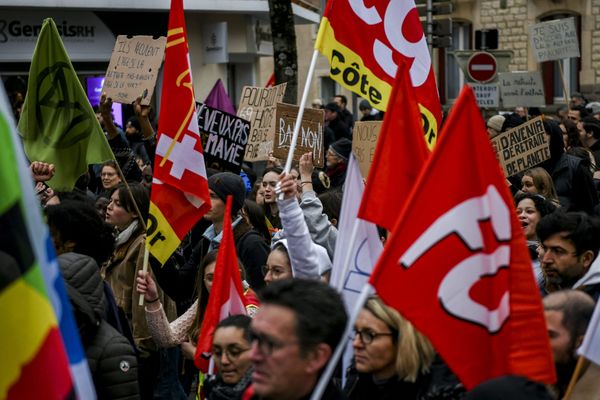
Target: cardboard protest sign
x=310 y=136
x=133 y=68
x=522 y=89
x=522 y=148
x=258 y=106
x=224 y=138
x=554 y=40
x=364 y=140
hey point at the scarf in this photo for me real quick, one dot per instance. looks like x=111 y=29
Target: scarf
x=125 y=235
x=219 y=390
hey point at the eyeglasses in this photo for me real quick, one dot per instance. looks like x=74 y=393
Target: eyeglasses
x=265 y=184
x=266 y=345
x=232 y=353
x=367 y=336
x=557 y=251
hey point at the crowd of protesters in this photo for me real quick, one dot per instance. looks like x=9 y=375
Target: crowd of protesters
x=285 y=246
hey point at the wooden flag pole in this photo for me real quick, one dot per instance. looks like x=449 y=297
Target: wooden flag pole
x=581 y=361
x=564 y=85
x=140 y=219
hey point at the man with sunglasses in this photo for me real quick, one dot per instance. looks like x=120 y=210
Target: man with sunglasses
x=293 y=335
x=569 y=245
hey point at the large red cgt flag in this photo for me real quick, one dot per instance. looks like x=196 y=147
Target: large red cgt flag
x=180 y=188
x=226 y=294
x=364 y=41
x=457 y=266
x=399 y=156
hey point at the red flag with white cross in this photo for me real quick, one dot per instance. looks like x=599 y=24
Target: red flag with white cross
x=457 y=266
x=180 y=188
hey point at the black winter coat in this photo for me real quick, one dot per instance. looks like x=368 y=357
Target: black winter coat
x=179 y=283
x=110 y=356
x=440 y=382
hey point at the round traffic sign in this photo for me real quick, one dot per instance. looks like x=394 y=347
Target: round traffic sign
x=482 y=67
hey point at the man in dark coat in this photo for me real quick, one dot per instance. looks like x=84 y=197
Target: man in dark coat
x=335 y=127
x=251 y=248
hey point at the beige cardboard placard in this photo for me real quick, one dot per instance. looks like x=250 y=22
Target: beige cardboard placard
x=522 y=148
x=133 y=68
x=258 y=105
x=364 y=140
x=310 y=136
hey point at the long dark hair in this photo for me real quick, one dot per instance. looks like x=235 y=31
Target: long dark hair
x=256 y=217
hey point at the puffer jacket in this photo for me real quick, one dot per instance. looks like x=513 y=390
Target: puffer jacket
x=110 y=356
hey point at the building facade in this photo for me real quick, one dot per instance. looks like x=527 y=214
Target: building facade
x=512 y=19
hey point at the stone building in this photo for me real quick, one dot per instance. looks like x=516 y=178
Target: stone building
x=512 y=19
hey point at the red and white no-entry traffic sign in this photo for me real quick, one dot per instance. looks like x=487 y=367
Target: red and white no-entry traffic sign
x=482 y=67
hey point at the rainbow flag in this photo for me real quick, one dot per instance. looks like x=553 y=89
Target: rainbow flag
x=42 y=355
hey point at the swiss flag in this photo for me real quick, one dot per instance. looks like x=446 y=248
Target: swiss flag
x=399 y=155
x=457 y=266
x=179 y=196
x=226 y=294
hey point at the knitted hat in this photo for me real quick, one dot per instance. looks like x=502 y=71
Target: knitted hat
x=342 y=148
x=332 y=107
x=495 y=122
x=226 y=183
x=364 y=105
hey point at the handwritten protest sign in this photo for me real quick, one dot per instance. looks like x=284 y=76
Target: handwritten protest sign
x=554 y=40
x=310 y=136
x=258 y=106
x=522 y=148
x=522 y=89
x=133 y=68
x=224 y=138
x=364 y=140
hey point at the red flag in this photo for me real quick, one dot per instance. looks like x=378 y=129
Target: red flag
x=271 y=81
x=399 y=156
x=364 y=41
x=457 y=266
x=179 y=163
x=226 y=294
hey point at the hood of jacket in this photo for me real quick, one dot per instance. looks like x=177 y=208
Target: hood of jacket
x=85 y=287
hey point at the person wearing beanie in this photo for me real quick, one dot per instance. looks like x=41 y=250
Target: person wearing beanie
x=494 y=125
x=335 y=127
x=368 y=113
x=337 y=161
x=250 y=246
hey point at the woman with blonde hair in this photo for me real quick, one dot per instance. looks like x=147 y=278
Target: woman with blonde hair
x=538 y=181
x=393 y=360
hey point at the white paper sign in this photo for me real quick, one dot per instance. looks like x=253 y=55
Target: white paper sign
x=486 y=94
x=522 y=89
x=554 y=40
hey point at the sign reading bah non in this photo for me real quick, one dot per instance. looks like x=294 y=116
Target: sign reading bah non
x=224 y=138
